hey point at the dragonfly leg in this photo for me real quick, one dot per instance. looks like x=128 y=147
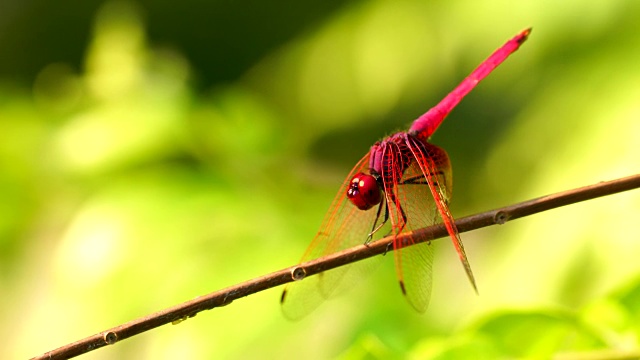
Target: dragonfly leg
x=387 y=249
x=403 y=221
x=375 y=228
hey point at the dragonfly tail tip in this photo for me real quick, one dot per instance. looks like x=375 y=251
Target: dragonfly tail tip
x=524 y=35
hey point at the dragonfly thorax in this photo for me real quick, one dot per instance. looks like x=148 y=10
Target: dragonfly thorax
x=364 y=191
x=392 y=156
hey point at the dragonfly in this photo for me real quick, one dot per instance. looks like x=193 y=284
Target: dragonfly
x=402 y=184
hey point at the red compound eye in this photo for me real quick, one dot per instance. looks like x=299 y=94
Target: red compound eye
x=364 y=191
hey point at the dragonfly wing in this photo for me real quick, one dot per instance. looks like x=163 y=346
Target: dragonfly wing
x=414 y=266
x=436 y=168
x=344 y=226
x=411 y=206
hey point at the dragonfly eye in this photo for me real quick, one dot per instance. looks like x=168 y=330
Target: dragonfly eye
x=364 y=191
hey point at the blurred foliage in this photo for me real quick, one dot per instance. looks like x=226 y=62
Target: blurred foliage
x=151 y=153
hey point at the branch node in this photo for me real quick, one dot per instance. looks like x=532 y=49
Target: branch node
x=225 y=301
x=298 y=273
x=500 y=217
x=110 y=337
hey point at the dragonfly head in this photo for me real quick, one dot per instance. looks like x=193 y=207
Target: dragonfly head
x=364 y=191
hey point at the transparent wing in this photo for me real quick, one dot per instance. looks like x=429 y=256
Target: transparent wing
x=411 y=207
x=344 y=226
x=436 y=168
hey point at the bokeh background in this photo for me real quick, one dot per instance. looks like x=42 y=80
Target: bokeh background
x=153 y=151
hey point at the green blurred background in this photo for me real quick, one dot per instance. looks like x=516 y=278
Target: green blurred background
x=153 y=151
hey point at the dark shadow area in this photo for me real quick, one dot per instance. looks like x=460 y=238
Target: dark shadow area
x=220 y=39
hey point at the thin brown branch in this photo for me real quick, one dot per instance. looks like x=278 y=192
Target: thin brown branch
x=225 y=296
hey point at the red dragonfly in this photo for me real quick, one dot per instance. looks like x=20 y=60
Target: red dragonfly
x=405 y=179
